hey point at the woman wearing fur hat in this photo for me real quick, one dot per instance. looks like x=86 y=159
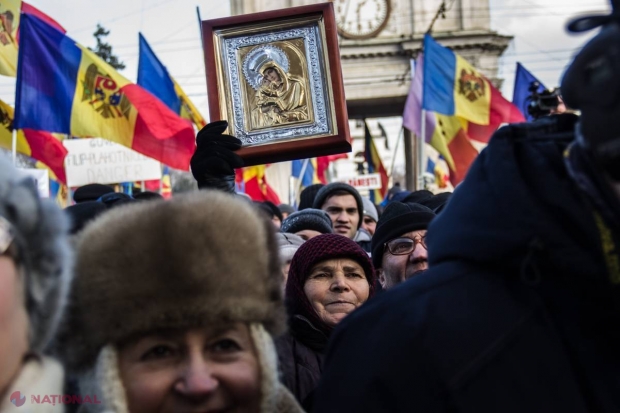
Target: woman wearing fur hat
x=330 y=276
x=170 y=319
x=34 y=277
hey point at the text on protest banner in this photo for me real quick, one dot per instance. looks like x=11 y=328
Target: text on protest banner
x=100 y=161
x=364 y=182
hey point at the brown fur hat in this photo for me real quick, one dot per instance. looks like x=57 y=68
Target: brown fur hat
x=201 y=258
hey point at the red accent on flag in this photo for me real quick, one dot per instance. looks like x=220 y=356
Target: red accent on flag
x=463 y=154
x=502 y=111
x=49 y=150
x=322 y=163
x=160 y=133
x=33 y=11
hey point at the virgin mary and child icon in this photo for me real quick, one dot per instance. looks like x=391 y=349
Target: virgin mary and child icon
x=280 y=98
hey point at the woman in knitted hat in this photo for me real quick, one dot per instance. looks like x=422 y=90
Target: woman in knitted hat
x=35 y=272
x=174 y=306
x=330 y=276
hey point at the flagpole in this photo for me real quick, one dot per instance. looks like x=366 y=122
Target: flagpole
x=161 y=179
x=292 y=195
x=14 y=146
x=302 y=173
x=420 y=152
x=400 y=136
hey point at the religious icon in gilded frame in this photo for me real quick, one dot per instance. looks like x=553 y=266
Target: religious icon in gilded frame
x=276 y=77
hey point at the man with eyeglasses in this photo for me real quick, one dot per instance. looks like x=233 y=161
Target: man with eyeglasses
x=398 y=246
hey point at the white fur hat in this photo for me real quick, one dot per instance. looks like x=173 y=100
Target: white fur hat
x=38 y=230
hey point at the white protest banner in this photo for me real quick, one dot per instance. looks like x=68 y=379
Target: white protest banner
x=41 y=178
x=363 y=182
x=100 y=161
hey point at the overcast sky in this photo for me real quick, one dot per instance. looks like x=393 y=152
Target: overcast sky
x=171 y=27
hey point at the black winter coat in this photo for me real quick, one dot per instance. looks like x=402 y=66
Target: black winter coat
x=519 y=309
x=300 y=357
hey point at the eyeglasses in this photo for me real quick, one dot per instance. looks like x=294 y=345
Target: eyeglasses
x=404 y=246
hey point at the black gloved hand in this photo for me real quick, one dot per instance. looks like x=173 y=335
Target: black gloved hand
x=214 y=161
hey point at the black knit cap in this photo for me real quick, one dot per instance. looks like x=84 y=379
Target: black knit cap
x=309 y=218
x=398 y=219
x=306 y=197
x=91 y=192
x=329 y=189
x=435 y=202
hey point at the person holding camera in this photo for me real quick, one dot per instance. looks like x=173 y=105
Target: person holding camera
x=520 y=308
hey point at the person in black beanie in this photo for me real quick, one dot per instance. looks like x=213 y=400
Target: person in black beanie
x=436 y=202
x=308 y=223
x=306 y=197
x=91 y=192
x=345 y=208
x=399 y=249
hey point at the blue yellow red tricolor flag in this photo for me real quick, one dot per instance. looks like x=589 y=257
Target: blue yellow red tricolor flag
x=253 y=183
x=42 y=146
x=453 y=87
x=10 y=16
x=451 y=135
x=154 y=77
x=305 y=171
x=375 y=166
x=163 y=186
x=63 y=87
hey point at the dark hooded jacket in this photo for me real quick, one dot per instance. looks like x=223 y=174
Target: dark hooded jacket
x=519 y=309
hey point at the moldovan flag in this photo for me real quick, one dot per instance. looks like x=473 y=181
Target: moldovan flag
x=451 y=135
x=10 y=14
x=255 y=185
x=375 y=166
x=453 y=87
x=305 y=171
x=154 y=77
x=63 y=87
x=42 y=146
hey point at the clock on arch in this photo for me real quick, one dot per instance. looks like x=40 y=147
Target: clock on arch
x=361 y=19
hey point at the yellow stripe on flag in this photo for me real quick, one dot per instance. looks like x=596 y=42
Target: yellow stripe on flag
x=188 y=110
x=445 y=131
x=92 y=114
x=472 y=93
x=6 y=134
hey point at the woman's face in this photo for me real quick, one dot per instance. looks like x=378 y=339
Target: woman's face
x=13 y=322
x=272 y=75
x=197 y=370
x=335 y=287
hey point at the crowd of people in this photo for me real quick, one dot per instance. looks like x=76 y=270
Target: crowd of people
x=501 y=297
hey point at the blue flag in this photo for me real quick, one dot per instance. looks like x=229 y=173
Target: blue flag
x=153 y=76
x=523 y=81
x=308 y=173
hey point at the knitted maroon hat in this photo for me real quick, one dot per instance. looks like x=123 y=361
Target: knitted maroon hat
x=313 y=251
